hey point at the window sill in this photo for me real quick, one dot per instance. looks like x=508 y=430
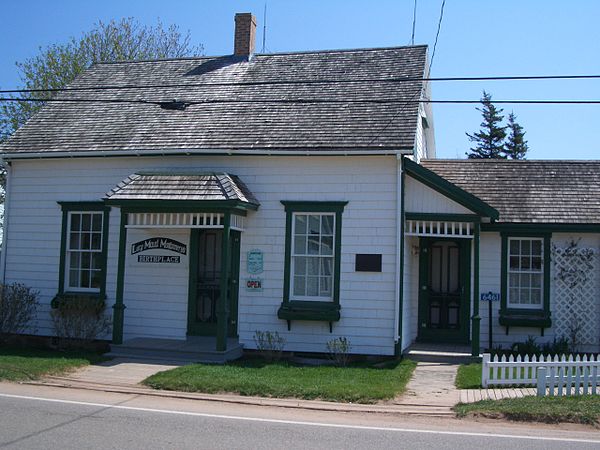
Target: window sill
x=309 y=310
x=525 y=318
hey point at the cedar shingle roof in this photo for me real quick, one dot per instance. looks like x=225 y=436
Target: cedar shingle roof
x=170 y=186
x=529 y=191
x=255 y=124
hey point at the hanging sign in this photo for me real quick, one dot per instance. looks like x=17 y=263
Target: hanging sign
x=159 y=243
x=490 y=297
x=254 y=261
x=254 y=284
x=161 y=249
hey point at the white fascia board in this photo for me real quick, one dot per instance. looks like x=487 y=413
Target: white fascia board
x=187 y=152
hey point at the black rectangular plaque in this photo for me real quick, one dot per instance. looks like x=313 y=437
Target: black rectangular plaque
x=368 y=262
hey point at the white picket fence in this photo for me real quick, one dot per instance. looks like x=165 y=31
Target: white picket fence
x=524 y=371
x=569 y=378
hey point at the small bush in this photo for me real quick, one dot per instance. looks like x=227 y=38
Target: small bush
x=560 y=346
x=529 y=347
x=78 y=319
x=269 y=344
x=18 y=307
x=339 y=351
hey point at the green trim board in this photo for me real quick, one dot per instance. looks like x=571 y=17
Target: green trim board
x=223 y=301
x=68 y=207
x=183 y=205
x=533 y=317
x=476 y=318
x=443 y=217
x=510 y=227
x=311 y=310
x=401 y=226
x=119 y=307
x=453 y=192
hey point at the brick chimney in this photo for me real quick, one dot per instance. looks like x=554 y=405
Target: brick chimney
x=245 y=34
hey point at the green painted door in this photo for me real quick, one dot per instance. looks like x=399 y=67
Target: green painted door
x=444 y=290
x=205 y=281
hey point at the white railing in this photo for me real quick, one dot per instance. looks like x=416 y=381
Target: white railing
x=569 y=378
x=523 y=371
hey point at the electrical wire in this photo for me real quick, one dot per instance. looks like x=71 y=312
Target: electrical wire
x=437 y=35
x=307 y=82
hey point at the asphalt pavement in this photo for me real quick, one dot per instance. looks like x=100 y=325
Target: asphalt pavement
x=36 y=417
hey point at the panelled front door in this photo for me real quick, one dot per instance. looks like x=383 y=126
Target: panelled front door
x=444 y=288
x=205 y=281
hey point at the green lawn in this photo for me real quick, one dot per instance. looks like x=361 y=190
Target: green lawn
x=468 y=376
x=360 y=384
x=18 y=364
x=582 y=409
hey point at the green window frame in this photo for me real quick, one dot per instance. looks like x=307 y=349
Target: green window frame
x=83 y=253
x=525 y=271
x=304 y=245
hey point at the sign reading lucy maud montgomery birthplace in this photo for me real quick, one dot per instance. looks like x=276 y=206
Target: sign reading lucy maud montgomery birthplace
x=159 y=243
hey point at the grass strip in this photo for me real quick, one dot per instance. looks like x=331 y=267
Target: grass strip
x=21 y=364
x=468 y=376
x=584 y=409
x=254 y=377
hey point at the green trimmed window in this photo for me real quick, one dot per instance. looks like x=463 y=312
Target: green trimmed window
x=83 y=248
x=525 y=273
x=312 y=258
x=313 y=241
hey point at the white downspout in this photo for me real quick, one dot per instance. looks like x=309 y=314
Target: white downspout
x=7 y=166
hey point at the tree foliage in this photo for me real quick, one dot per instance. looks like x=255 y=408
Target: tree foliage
x=493 y=141
x=59 y=64
x=516 y=146
x=489 y=141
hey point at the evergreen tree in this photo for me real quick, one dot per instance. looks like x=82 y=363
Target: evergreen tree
x=489 y=141
x=516 y=146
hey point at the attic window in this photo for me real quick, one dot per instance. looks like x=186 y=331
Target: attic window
x=174 y=105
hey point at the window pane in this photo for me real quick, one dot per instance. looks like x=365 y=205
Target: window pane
x=536 y=297
x=312 y=266
x=326 y=266
x=514 y=247
x=96 y=279
x=74 y=241
x=524 y=296
x=513 y=295
x=525 y=280
x=300 y=245
x=327 y=245
x=525 y=247
x=326 y=224
x=536 y=263
x=96 y=241
x=85 y=279
x=313 y=245
x=96 y=261
x=514 y=262
x=513 y=280
x=536 y=247
x=312 y=286
x=73 y=278
x=74 y=261
x=325 y=287
x=300 y=224
x=300 y=265
x=299 y=286
x=97 y=222
x=75 y=222
x=314 y=224
x=86 y=260
x=525 y=263
x=86 y=222
x=536 y=280
x=86 y=241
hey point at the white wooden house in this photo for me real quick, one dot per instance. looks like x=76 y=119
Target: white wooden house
x=293 y=192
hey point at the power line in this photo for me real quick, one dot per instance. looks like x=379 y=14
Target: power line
x=306 y=82
x=437 y=35
x=299 y=101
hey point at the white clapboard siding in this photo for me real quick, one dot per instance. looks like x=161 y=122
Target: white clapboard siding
x=422 y=199
x=369 y=184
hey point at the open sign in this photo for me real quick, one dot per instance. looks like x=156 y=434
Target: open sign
x=254 y=284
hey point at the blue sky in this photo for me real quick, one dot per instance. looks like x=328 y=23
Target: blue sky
x=478 y=38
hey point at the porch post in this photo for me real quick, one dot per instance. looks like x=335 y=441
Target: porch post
x=119 y=307
x=223 y=302
x=475 y=319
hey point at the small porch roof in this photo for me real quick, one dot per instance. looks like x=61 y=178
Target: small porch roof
x=173 y=187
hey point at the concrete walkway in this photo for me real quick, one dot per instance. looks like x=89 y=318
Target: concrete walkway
x=432 y=384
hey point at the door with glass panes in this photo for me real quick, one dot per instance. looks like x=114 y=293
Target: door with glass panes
x=444 y=279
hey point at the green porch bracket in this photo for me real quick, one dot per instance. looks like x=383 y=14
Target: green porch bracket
x=475 y=319
x=119 y=307
x=223 y=302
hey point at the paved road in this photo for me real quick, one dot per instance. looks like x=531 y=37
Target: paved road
x=35 y=417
